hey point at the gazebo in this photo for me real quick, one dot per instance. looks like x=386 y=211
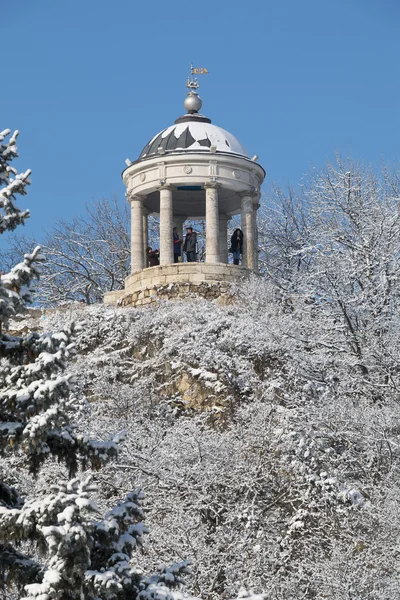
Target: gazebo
x=190 y=170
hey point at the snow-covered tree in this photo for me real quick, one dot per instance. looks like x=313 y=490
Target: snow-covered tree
x=85 y=555
x=86 y=256
x=334 y=253
x=273 y=423
x=12 y=183
x=259 y=462
x=266 y=433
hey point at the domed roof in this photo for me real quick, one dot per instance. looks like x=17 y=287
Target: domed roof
x=193 y=134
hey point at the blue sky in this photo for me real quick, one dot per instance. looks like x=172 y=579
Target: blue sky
x=89 y=82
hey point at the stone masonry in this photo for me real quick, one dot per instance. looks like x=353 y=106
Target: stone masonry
x=178 y=281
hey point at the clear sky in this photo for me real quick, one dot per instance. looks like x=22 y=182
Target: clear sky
x=89 y=82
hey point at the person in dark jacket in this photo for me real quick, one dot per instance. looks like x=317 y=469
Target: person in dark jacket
x=177 y=245
x=152 y=257
x=237 y=245
x=190 y=245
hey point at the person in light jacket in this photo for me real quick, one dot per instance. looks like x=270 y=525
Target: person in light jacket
x=190 y=245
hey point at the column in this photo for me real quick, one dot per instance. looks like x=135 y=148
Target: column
x=166 y=226
x=137 y=255
x=212 y=222
x=247 y=217
x=256 y=206
x=145 y=235
x=223 y=238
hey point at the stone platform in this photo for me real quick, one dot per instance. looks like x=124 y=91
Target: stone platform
x=209 y=280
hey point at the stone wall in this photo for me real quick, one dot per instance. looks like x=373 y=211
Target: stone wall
x=177 y=281
x=179 y=291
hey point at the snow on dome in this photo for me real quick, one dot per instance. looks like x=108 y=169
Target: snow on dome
x=196 y=136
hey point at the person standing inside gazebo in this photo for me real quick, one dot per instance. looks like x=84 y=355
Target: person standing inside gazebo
x=190 y=245
x=177 y=245
x=237 y=245
x=152 y=257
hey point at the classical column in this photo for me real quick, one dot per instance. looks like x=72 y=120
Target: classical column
x=223 y=238
x=212 y=226
x=145 y=235
x=166 y=226
x=248 y=228
x=137 y=255
x=256 y=206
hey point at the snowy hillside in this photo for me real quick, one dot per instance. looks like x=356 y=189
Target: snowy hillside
x=264 y=434
x=267 y=455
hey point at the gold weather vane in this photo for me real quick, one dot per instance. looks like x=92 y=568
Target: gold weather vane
x=192 y=84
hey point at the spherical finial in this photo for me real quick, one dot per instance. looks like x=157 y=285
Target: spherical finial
x=192 y=103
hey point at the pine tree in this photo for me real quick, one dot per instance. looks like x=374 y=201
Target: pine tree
x=85 y=556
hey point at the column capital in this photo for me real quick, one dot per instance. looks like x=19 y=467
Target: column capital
x=137 y=241
x=134 y=197
x=252 y=193
x=165 y=186
x=212 y=184
x=256 y=199
x=212 y=222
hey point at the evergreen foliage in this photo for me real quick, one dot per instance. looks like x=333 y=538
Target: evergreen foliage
x=67 y=551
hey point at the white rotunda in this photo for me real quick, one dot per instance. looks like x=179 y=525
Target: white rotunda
x=190 y=170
